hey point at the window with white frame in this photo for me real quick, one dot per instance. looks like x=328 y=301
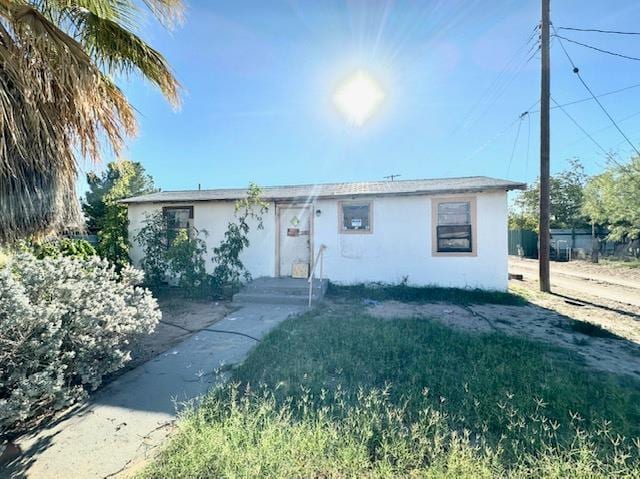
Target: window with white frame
x=355 y=217
x=454 y=227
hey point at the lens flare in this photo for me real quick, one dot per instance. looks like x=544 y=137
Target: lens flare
x=358 y=98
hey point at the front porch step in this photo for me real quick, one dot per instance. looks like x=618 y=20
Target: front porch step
x=281 y=291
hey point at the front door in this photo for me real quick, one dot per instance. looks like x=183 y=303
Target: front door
x=294 y=240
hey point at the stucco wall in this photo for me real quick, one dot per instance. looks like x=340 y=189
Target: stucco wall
x=400 y=244
x=214 y=217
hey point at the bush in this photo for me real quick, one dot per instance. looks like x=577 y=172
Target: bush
x=152 y=239
x=186 y=259
x=64 y=324
x=230 y=271
x=56 y=248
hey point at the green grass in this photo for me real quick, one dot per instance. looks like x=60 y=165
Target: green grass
x=622 y=263
x=403 y=292
x=337 y=393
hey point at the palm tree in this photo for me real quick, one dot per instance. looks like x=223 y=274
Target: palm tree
x=59 y=103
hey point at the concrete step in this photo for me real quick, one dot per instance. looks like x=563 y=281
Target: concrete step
x=281 y=291
x=269 y=298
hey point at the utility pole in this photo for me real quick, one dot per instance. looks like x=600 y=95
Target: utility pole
x=391 y=177
x=545 y=87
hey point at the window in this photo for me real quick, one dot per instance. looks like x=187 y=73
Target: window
x=177 y=218
x=454 y=225
x=355 y=217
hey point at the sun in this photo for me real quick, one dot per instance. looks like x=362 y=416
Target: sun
x=358 y=97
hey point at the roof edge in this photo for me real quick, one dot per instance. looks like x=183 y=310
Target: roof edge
x=505 y=187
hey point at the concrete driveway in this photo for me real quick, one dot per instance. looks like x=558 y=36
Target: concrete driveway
x=130 y=417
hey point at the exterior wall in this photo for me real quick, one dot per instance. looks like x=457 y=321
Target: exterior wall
x=259 y=257
x=400 y=244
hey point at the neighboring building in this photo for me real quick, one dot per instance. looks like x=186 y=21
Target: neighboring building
x=446 y=232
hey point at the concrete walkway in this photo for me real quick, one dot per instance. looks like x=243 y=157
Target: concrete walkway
x=131 y=416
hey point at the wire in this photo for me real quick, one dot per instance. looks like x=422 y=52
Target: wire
x=575 y=122
x=515 y=142
x=575 y=102
x=499 y=85
x=576 y=70
x=208 y=329
x=526 y=163
x=596 y=30
x=597 y=49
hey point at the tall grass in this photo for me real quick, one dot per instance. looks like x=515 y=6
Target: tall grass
x=240 y=434
x=337 y=393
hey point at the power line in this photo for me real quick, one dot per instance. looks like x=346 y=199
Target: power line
x=499 y=84
x=575 y=122
x=526 y=163
x=515 y=142
x=597 y=30
x=597 y=49
x=575 y=102
x=576 y=70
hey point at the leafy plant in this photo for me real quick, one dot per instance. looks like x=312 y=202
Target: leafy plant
x=64 y=324
x=566 y=195
x=55 y=248
x=105 y=215
x=612 y=199
x=230 y=271
x=152 y=239
x=186 y=259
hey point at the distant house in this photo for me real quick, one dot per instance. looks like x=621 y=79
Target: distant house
x=447 y=232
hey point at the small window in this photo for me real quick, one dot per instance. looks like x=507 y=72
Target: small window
x=355 y=217
x=177 y=218
x=453 y=230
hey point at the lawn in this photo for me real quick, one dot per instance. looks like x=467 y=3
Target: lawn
x=338 y=393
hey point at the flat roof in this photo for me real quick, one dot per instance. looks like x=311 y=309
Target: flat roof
x=338 y=190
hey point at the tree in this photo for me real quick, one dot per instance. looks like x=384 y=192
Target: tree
x=230 y=271
x=612 y=200
x=566 y=194
x=107 y=217
x=58 y=101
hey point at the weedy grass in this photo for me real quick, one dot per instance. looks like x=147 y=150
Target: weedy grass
x=337 y=393
x=403 y=292
x=621 y=263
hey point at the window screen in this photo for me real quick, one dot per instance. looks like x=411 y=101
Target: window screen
x=356 y=217
x=454 y=227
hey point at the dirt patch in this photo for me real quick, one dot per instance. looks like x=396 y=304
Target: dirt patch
x=183 y=314
x=615 y=354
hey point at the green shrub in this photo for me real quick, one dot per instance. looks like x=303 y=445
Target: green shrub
x=152 y=239
x=64 y=324
x=55 y=248
x=186 y=260
x=229 y=271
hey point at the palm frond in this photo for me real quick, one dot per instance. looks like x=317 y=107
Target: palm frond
x=57 y=102
x=117 y=49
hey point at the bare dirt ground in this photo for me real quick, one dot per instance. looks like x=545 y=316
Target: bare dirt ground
x=612 y=354
x=186 y=316
x=602 y=282
x=580 y=291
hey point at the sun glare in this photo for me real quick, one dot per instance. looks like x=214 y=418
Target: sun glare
x=358 y=98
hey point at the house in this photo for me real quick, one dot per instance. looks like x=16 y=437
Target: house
x=446 y=232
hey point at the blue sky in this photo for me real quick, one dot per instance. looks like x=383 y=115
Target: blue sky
x=259 y=76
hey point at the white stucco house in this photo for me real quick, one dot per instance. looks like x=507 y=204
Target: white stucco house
x=445 y=232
